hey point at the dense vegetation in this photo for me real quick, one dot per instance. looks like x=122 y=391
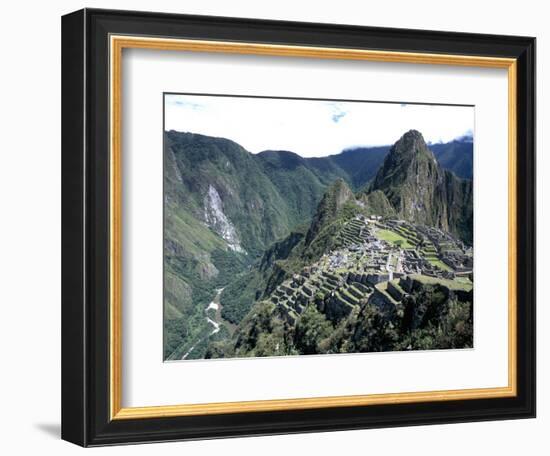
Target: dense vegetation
x=456 y=156
x=430 y=319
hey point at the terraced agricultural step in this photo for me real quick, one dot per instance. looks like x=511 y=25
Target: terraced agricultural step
x=395 y=290
x=326 y=290
x=337 y=308
x=289 y=314
x=430 y=256
x=342 y=294
x=407 y=235
x=284 y=305
x=287 y=290
x=362 y=288
x=348 y=239
x=307 y=290
x=302 y=298
x=356 y=291
x=329 y=275
x=354 y=276
x=350 y=232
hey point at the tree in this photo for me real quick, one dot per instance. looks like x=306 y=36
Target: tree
x=311 y=328
x=373 y=332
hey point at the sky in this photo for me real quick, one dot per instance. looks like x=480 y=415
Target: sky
x=312 y=128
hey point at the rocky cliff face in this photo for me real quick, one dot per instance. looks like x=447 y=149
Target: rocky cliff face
x=421 y=191
x=218 y=221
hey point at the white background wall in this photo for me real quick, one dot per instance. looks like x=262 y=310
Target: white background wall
x=30 y=192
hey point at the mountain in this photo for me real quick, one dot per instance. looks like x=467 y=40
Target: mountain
x=242 y=222
x=360 y=163
x=332 y=203
x=225 y=187
x=357 y=166
x=300 y=181
x=456 y=156
x=421 y=191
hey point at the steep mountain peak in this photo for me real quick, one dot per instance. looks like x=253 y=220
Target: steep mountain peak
x=411 y=143
x=419 y=190
x=334 y=199
x=338 y=194
x=413 y=134
x=408 y=159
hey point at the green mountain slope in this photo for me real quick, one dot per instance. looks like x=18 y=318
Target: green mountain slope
x=300 y=181
x=360 y=163
x=456 y=156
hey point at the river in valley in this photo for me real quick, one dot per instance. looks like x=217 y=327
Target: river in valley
x=215 y=323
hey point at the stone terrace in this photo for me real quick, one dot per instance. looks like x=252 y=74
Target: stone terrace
x=365 y=268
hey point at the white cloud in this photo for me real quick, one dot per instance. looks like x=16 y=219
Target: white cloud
x=312 y=128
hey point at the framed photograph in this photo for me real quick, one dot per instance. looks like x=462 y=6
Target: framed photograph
x=278 y=227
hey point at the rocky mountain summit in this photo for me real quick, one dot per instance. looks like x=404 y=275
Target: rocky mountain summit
x=421 y=191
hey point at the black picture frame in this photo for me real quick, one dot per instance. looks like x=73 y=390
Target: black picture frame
x=85 y=228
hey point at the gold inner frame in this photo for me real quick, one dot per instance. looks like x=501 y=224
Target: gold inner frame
x=117 y=44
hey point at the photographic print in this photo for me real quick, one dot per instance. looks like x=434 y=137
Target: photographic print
x=227 y=216
x=310 y=227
